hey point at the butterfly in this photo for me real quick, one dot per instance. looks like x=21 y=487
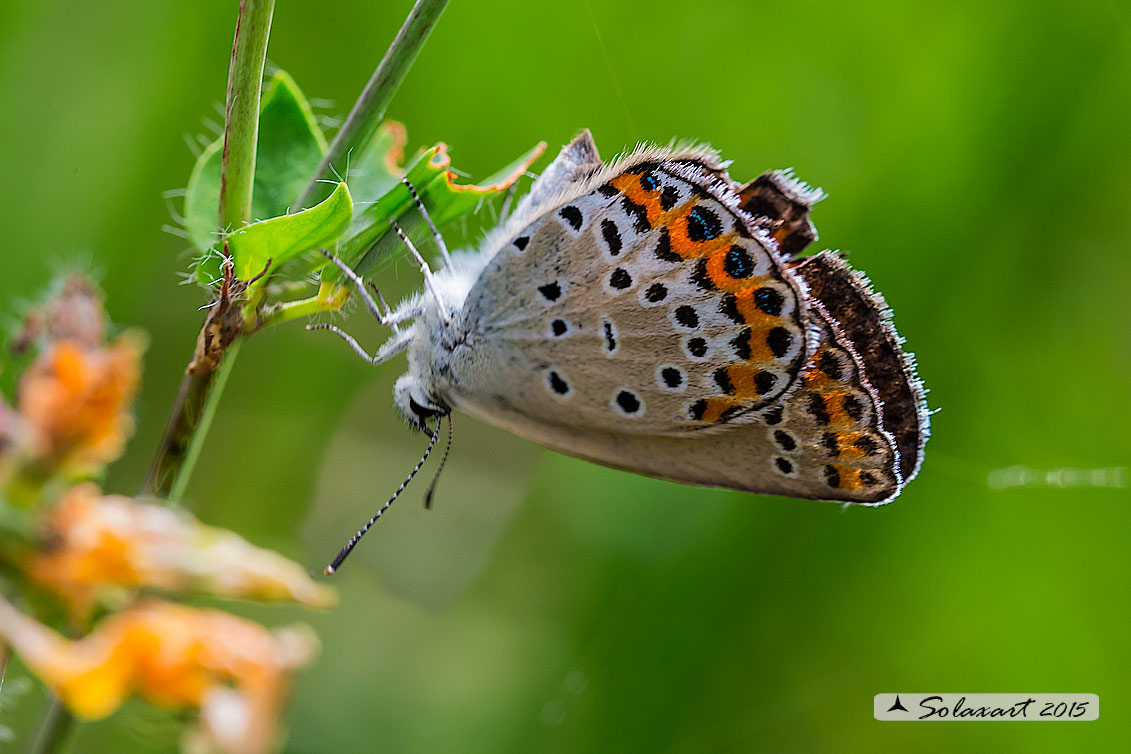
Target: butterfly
x=656 y=316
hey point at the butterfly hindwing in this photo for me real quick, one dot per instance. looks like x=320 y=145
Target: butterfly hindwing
x=823 y=442
x=865 y=320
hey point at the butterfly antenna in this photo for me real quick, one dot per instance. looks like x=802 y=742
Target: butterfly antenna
x=443 y=460
x=333 y=567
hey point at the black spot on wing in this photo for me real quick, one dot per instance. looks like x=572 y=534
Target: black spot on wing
x=769 y=301
x=764 y=382
x=697 y=409
x=817 y=408
x=557 y=384
x=664 y=248
x=722 y=379
x=830 y=365
x=728 y=307
x=620 y=279
x=867 y=444
x=741 y=344
x=639 y=214
x=832 y=476
x=611 y=235
x=779 y=340
x=610 y=337
x=785 y=440
x=687 y=316
x=701 y=278
x=738 y=263
x=628 y=402
x=703 y=224
x=571 y=215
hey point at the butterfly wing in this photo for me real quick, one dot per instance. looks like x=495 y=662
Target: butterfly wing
x=643 y=320
x=642 y=301
x=824 y=442
x=866 y=322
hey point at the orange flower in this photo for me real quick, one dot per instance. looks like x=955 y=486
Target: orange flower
x=74 y=399
x=236 y=672
x=96 y=544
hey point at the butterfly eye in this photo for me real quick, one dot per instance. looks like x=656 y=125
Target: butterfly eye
x=422 y=411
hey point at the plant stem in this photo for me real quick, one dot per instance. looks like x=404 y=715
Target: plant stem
x=183 y=421
x=367 y=112
x=200 y=388
x=56 y=723
x=241 y=114
x=330 y=298
x=187 y=428
x=211 y=399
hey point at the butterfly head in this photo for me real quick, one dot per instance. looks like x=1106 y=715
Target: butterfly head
x=416 y=404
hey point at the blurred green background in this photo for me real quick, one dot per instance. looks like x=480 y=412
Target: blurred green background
x=977 y=159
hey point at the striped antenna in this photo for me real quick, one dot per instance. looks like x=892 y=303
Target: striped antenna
x=333 y=567
x=443 y=460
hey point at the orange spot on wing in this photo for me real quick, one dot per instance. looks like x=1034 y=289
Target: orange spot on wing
x=629 y=185
x=834 y=405
x=760 y=352
x=716 y=407
x=716 y=269
x=676 y=223
x=849 y=477
x=846 y=445
x=756 y=319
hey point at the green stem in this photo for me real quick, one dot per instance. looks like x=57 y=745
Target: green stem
x=211 y=399
x=241 y=115
x=330 y=298
x=56 y=724
x=179 y=430
x=187 y=429
x=200 y=390
x=367 y=112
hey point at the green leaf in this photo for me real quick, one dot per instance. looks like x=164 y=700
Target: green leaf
x=444 y=199
x=289 y=148
x=202 y=200
x=281 y=238
x=378 y=167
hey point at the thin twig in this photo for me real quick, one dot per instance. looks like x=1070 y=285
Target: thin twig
x=370 y=107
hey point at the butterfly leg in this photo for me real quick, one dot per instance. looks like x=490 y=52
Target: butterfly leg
x=443 y=247
x=425 y=270
x=388 y=349
x=382 y=315
x=393 y=320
